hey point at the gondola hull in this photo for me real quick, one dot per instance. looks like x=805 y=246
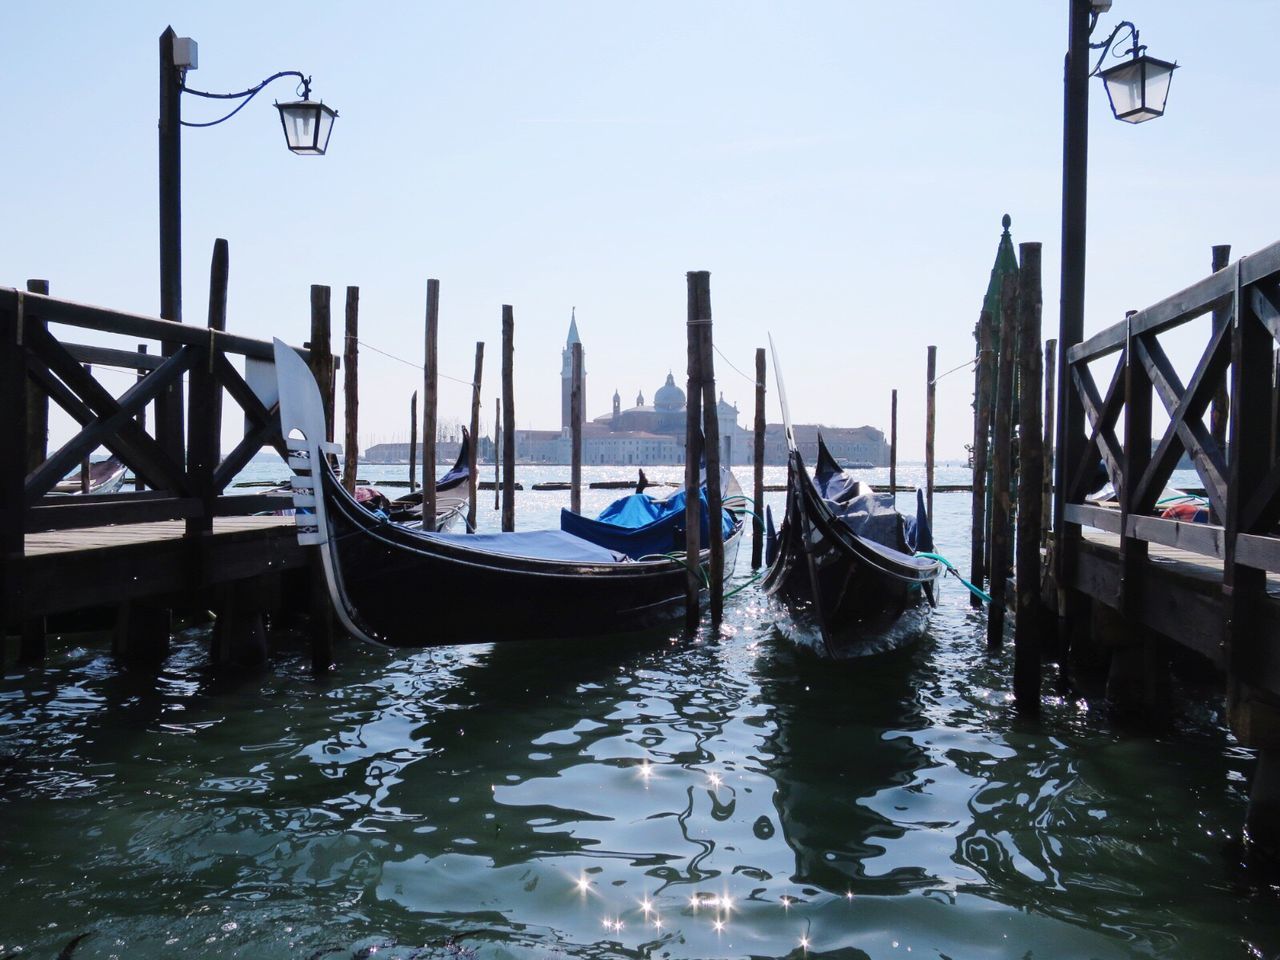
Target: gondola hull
x=384 y=575
x=854 y=596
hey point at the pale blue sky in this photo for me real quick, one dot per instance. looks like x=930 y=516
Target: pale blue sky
x=840 y=168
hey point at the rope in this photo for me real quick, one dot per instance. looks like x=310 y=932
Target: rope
x=749 y=379
x=416 y=366
x=967 y=363
x=951 y=569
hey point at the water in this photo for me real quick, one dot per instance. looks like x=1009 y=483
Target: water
x=722 y=797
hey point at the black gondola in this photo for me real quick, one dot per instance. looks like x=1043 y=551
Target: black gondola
x=451 y=494
x=489 y=587
x=845 y=561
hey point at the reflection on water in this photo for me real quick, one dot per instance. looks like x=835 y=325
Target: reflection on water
x=728 y=796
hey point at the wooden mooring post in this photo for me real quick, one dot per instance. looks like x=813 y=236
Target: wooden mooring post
x=497 y=453
x=575 y=431
x=473 y=481
x=1029 y=618
x=930 y=422
x=982 y=397
x=700 y=317
x=1001 y=453
x=757 y=473
x=204 y=416
x=893 y=442
x=351 y=391
x=429 y=385
x=413 y=442
x=1050 y=394
x=322 y=632
x=37 y=405
x=692 y=454
x=509 y=419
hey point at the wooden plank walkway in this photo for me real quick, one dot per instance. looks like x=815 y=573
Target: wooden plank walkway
x=67 y=570
x=1182 y=598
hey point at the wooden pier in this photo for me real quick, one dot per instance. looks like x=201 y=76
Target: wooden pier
x=179 y=543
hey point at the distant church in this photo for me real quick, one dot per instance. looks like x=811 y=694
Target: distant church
x=655 y=434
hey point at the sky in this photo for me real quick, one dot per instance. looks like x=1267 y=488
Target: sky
x=840 y=168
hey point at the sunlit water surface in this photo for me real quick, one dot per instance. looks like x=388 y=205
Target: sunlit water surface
x=720 y=797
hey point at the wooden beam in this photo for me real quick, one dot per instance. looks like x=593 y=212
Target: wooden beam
x=204 y=442
x=38 y=401
x=692 y=454
x=321 y=354
x=930 y=421
x=984 y=379
x=472 y=475
x=1050 y=394
x=264 y=434
x=575 y=430
x=1001 y=481
x=413 y=442
x=1029 y=618
x=509 y=419
x=700 y=300
x=430 y=384
x=1102 y=415
x=757 y=464
x=1090 y=515
x=351 y=390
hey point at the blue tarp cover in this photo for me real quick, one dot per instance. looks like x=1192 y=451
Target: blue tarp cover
x=538 y=544
x=641 y=525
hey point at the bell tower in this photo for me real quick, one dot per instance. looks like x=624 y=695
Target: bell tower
x=566 y=373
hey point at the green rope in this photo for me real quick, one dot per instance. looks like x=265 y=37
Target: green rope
x=951 y=568
x=743 y=586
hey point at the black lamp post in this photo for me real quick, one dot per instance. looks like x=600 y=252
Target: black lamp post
x=307 y=125
x=1137 y=90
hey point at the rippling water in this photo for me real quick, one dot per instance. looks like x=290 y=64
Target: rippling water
x=721 y=797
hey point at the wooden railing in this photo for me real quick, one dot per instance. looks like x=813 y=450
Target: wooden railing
x=1241 y=478
x=182 y=482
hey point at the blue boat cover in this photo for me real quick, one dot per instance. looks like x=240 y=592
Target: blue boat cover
x=643 y=526
x=533 y=544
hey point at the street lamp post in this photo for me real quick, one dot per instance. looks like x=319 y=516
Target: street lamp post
x=1137 y=89
x=307 y=125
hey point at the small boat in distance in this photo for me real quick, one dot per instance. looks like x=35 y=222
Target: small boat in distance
x=401 y=587
x=844 y=561
x=105 y=476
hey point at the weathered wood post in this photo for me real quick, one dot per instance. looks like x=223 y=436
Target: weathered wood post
x=983 y=382
x=692 y=454
x=320 y=346
x=1221 y=256
x=138 y=482
x=37 y=405
x=497 y=453
x=1001 y=447
x=509 y=419
x=757 y=493
x=413 y=442
x=429 y=398
x=893 y=442
x=1030 y=615
x=204 y=420
x=1050 y=394
x=700 y=320
x=321 y=355
x=473 y=481
x=930 y=421
x=84 y=464
x=575 y=431
x=14 y=397
x=351 y=391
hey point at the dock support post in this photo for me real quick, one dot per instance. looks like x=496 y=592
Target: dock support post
x=700 y=318
x=84 y=464
x=14 y=423
x=1220 y=257
x=983 y=382
x=509 y=420
x=473 y=481
x=351 y=391
x=1002 y=442
x=142 y=632
x=757 y=474
x=37 y=405
x=321 y=609
x=413 y=442
x=429 y=386
x=930 y=422
x=575 y=431
x=239 y=636
x=1262 y=821
x=893 y=442
x=321 y=352
x=1050 y=394
x=138 y=482
x=204 y=425
x=1030 y=615
x=692 y=454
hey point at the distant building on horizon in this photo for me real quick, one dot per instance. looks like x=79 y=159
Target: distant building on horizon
x=652 y=434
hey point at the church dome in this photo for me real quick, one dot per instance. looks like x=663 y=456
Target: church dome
x=669 y=396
